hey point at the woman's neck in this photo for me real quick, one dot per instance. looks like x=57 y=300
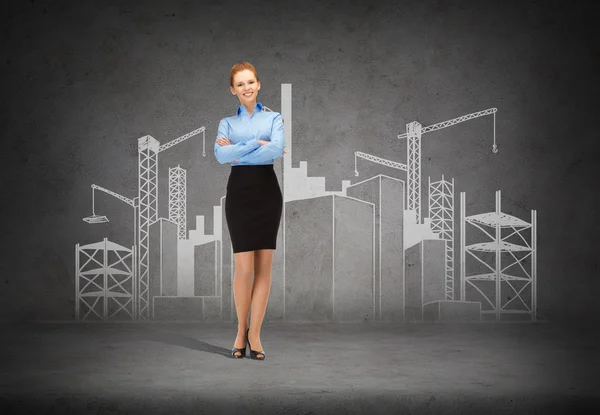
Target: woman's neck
x=250 y=108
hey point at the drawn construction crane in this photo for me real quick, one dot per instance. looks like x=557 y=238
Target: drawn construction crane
x=146 y=205
x=414 y=131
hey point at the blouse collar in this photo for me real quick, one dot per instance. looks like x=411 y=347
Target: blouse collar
x=241 y=108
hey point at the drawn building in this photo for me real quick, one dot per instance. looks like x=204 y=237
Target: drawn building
x=387 y=196
x=425 y=272
x=333 y=246
x=162 y=260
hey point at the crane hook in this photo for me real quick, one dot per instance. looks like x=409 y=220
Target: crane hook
x=494 y=149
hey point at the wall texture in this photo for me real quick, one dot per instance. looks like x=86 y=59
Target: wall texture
x=84 y=80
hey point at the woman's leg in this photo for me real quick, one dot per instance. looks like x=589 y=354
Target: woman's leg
x=242 y=291
x=263 y=263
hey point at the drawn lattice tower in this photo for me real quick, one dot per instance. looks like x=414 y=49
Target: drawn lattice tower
x=177 y=199
x=413 y=152
x=441 y=215
x=508 y=287
x=148 y=148
x=105 y=281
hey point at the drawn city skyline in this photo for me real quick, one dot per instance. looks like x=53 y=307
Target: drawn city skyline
x=374 y=256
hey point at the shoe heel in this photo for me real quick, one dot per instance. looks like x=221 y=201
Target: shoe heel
x=253 y=353
x=241 y=350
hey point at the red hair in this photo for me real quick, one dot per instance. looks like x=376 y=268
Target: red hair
x=240 y=66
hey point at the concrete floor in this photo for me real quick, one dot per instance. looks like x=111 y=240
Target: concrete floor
x=310 y=368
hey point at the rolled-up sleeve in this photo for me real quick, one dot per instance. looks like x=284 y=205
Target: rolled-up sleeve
x=271 y=150
x=227 y=154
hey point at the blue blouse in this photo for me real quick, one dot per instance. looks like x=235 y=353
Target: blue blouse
x=244 y=131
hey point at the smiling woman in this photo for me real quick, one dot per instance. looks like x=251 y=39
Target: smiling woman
x=251 y=140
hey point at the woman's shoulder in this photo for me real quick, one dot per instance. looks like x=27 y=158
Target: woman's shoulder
x=276 y=116
x=228 y=119
x=272 y=114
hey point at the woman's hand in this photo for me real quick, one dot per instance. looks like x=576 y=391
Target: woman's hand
x=263 y=142
x=224 y=141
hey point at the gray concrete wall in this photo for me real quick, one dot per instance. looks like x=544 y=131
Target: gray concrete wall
x=84 y=80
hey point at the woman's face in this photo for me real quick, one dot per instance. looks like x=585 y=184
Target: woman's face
x=245 y=86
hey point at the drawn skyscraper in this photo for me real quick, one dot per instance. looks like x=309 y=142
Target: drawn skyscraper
x=177 y=199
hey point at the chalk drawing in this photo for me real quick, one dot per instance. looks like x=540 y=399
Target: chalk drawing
x=400 y=263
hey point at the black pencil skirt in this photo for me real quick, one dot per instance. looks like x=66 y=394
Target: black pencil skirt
x=253 y=207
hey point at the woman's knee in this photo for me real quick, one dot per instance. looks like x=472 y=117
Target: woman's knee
x=244 y=263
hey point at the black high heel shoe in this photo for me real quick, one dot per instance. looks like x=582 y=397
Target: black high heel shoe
x=253 y=353
x=242 y=350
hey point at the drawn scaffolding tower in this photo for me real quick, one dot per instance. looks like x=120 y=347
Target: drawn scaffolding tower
x=508 y=288
x=177 y=199
x=441 y=215
x=105 y=283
